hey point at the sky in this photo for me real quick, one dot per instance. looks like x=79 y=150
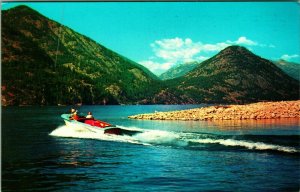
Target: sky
x=160 y=35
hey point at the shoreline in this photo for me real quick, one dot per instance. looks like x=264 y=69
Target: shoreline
x=260 y=110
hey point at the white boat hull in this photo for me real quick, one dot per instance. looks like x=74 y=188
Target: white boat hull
x=83 y=127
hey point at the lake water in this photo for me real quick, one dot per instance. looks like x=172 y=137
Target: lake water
x=39 y=153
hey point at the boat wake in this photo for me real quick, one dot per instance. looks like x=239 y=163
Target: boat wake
x=246 y=144
x=178 y=139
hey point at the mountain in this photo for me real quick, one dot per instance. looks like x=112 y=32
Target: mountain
x=291 y=68
x=235 y=75
x=46 y=63
x=179 y=70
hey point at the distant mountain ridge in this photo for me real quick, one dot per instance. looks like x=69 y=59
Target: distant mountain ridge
x=179 y=70
x=46 y=63
x=291 y=68
x=236 y=75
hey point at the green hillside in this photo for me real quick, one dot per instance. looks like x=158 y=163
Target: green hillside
x=34 y=71
x=236 y=75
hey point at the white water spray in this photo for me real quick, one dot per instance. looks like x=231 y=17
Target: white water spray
x=158 y=137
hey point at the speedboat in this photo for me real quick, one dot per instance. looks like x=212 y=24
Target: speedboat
x=96 y=126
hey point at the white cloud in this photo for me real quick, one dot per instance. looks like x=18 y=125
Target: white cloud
x=289 y=57
x=169 y=43
x=170 y=52
x=245 y=41
x=214 y=47
x=265 y=45
x=175 y=50
x=155 y=67
x=271 y=46
x=201 y=58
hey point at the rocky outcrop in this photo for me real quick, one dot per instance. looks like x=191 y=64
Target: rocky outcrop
x=261 y=110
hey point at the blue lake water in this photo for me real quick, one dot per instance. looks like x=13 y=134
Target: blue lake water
x=39 y=153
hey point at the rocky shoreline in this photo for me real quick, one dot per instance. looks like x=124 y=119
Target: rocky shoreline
x=261 y=110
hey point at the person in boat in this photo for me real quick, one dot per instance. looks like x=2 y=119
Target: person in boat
x=73 y=111
x=74 y=115
x=89 y=115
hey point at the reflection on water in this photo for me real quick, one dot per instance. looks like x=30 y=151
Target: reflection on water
x=254 y=124
x=283 y=126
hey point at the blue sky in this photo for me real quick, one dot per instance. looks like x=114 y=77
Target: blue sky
x=160 y=35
